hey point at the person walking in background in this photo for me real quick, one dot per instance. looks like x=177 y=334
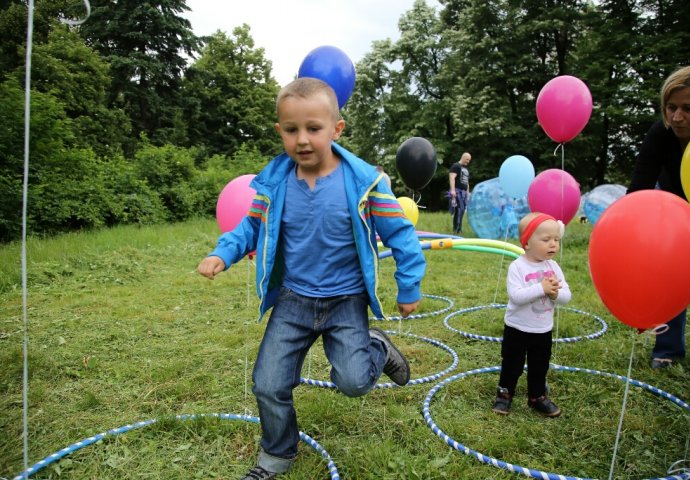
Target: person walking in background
x=536 y=284
x=314 y=223
x=658 y=164
x=459 y=192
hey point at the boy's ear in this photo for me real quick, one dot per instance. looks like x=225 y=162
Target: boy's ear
x=277 y=127
x=339 y=127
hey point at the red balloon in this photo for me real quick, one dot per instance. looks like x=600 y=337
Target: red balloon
x=556 y=192
x=639 y=258
x=234 y=202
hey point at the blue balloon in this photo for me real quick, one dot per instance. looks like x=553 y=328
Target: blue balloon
x=599 y=198
x=493 y=214
x=516 y=175
x=333 y=66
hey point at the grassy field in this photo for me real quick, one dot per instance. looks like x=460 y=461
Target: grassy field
x=123 y=329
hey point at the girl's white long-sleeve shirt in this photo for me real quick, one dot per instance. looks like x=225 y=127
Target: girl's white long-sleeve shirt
x=529 y=309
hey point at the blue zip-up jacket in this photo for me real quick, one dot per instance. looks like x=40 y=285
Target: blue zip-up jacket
x=373 y=208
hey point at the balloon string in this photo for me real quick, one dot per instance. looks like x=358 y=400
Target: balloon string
x=247 y=411
x=625 y=401
x=560 y=146
x=500 y=264
x=25 y=190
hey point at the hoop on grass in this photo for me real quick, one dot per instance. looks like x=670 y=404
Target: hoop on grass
x=429 y=378
x=333 y=471
x=517 y=468
x=474 y=336
x=416 y=316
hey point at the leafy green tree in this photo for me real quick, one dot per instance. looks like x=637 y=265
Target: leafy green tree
x=147 y=44
x=220 y=170
x=230 y=96
x=401 y=92
x=82 y=91
x=13 y=23
x=170 y=171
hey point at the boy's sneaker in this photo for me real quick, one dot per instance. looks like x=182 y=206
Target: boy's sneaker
x=503 y=401
x=545 y=406
x=397 y=367
x=259 y=473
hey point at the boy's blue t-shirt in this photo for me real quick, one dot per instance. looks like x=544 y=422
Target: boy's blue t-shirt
x=318 y=240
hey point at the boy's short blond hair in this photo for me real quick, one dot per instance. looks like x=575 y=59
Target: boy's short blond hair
x=306 y=87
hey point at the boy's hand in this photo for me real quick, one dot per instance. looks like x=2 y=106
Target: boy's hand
x=211 y=266
x=406 y=308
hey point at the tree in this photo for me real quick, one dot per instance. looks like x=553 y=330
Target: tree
x=82 y=91
x=147 y=44
x=230 y=96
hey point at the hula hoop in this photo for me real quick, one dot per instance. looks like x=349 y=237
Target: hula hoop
x=472 y=244
x=120 y=430
x=417 y=381
x=474 y=336
x=415 y=316
x=517 y=468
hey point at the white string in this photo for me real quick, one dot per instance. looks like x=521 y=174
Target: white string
x=625 y=402
x=74 y=23
x=247 y=411
x=500 y=265
x=560 y=259
x=25 y=190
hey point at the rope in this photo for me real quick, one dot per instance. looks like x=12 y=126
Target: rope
x=25 y=195
x=625 y=404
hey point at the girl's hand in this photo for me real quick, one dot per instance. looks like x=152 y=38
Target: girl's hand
x=551 y=285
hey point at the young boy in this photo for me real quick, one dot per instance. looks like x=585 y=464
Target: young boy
x=313 y=223
x=535 y=284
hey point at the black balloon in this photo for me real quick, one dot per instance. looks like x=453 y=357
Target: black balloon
x=416 y=162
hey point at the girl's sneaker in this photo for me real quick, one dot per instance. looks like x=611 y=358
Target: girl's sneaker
x=545 y=406
x=503 y=401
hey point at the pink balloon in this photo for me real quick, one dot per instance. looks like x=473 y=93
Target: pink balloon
x=234 y=202
x=564 y=106
x=555 y=192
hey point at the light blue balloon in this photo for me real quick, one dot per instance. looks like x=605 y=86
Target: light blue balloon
x=516 y=175
x=493 y=214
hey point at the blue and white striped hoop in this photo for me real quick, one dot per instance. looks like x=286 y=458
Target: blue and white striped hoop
x=417 y=381
x=517 y=468
x=333 y=471
x=474 y=336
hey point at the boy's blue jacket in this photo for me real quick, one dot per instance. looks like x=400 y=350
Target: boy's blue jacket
x=373 y=208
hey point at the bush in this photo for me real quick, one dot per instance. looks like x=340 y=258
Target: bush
x=220 y=170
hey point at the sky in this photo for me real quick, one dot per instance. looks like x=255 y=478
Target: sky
x=289 y=30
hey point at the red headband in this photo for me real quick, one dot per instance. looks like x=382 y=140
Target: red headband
x=532 y=226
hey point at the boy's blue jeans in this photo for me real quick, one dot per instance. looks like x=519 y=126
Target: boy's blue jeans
x=295 y=323
x=671 y=344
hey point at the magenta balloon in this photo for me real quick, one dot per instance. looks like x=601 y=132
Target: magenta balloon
x=234 y=202
x=555 y=192
x=564 y=106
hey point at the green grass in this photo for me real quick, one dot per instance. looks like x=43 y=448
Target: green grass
x=123 y=329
